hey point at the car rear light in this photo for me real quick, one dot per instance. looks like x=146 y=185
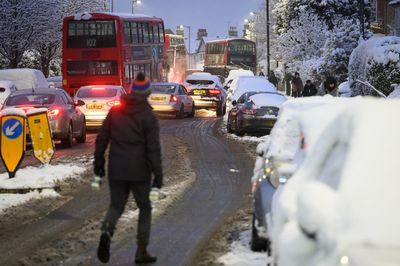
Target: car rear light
x=114 y=103
x=53 y=113
x=173 y=99
x=214 y=92
x=249 y=111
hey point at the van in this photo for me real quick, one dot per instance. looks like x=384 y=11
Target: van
x=25 y=78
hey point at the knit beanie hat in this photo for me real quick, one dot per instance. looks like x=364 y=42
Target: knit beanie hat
x=141 y=85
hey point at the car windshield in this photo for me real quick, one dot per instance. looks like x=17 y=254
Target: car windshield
x=163 y=88
x=97 y=93
x=200 y=82
x=31 y=99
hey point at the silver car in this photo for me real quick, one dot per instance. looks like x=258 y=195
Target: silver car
x=171 y=98
x=66 y=120
x=98 y=101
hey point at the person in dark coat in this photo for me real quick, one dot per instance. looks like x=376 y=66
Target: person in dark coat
x=297 y=85
x=329 y=86
x=273 y=79
x=132 y=131
x=309 y=89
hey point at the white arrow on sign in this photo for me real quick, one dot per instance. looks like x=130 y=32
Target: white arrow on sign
x=10 y=130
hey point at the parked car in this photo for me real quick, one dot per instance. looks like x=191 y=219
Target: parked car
x=243 y=84
x=254 y=112
x=207 y=92
x=340 y=197
x=98 y=100
x=25 y=78
x=55 y=82
x=6 y=88
x=235 y=73
x=276 y=162
x=66 y=119
x=171 y=98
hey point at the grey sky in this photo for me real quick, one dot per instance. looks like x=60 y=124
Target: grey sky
x=214 y=15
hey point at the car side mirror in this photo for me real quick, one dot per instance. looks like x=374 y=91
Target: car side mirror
x=234 y=102
x=79 y=103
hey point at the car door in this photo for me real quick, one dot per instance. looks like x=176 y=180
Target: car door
x=74 y=114
x=185 y=98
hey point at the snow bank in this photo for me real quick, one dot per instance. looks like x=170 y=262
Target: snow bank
x=13 y=111
x=10 y=200
x=241 y=255
x=40 y=177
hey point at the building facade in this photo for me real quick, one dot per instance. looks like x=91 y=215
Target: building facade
x=386 y=17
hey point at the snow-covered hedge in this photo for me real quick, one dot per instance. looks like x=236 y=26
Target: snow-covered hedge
x=377 y=61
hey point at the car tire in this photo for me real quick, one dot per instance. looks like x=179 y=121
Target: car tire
x=82 y=137
x=257 y=243
x=238 y=132
x=229 y=126
x=68 y=141
x=181 y=113
x=193 y=112
x=219 y=110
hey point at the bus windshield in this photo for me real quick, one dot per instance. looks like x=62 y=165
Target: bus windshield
x=91 y=34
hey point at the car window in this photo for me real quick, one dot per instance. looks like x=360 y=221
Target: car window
x=242 y=98
x=184 y=91
x=200 y=82
x=163 y=88
x=30 y=99
x=97 y=93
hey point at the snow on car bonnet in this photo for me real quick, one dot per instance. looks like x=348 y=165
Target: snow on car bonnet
x=12 y=111
x=268 y=99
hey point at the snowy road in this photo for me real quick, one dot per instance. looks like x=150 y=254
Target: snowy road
x=177 y=236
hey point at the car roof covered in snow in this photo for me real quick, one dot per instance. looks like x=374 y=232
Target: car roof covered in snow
x=25 y=78
x=38 y=91
x=203 y=76
x=245 y=84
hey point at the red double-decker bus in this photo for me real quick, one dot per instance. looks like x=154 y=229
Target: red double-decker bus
x=221 y=56
x=109 y=49
x=176 y=57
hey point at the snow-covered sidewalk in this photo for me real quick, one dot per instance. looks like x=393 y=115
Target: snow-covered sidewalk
x=39 y=181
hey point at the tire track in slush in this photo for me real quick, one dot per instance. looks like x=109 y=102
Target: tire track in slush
x=177 y=237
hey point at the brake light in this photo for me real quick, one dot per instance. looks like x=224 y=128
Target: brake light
x=214 y=91
x=173 y=99
x=249 y=111
x=54 y=113
x=114 y=103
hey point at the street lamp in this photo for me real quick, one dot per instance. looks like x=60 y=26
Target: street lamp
x=182 y=27
x=267 y=21
x=134 y=2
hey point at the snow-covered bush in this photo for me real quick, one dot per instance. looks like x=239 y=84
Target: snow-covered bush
x=377 y=61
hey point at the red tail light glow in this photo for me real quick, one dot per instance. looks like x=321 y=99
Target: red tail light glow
x=249 y=111
x=54 y=113
x=114 y=103
x=214 y=92
x=173 y=99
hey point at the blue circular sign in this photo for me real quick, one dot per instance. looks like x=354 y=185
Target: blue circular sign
x=12 y=128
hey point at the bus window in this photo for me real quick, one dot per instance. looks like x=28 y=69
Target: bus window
x=161 y=32
x=127 y=33
x=140 y=32
x=92 y=68
x=134 y=32
x=91 y=34
x=148 y=70
x=146 y=33
x=156 y=36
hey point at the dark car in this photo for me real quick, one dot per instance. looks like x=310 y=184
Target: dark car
x=254 y=112
x=66 y=120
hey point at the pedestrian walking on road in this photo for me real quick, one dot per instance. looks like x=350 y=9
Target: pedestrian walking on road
x=133 y=133
x=297 y=85
x=273 y=79
x=309 y=89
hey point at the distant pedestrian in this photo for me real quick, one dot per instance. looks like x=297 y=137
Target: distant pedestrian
x=297 y=85
x=329 y=86
x=261 y=74
x=134 y=155
x=309 y=89
x=273 y=79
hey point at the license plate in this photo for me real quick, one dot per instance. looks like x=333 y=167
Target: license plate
x=157 y=99
x=199 y=92
x=94 y=106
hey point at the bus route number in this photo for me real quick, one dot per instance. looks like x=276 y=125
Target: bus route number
x=91 y=42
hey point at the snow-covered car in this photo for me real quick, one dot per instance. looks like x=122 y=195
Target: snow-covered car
x=243 y=84
x=254 y=112
x=25 y=78
x=235 y=73
x=278 y=158
x=98 y=101
x=55 y=82
x=171 y=98
x=342 y=211
x=344 y=89
x=6 y=88
x=66 y=119
x=207 y=92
